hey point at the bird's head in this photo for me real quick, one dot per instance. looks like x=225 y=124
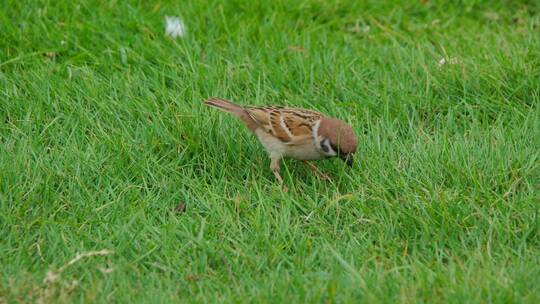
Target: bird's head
x=337 y=139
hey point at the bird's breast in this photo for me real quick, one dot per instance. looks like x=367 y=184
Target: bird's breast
x=272 y=145
x=304 y=150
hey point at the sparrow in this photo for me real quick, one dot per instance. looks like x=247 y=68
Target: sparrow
x=296 y=133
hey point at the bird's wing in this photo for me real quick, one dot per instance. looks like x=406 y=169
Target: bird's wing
x=291 y=126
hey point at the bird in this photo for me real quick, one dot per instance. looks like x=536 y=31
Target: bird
x=300 y=134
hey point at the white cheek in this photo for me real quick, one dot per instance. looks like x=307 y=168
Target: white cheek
x=331 y=152
x=325 y=148
x=319 y=142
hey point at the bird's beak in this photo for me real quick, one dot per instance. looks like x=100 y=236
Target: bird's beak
x=348 y=159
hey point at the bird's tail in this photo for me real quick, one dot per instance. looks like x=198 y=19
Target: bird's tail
x=224 y=105
x=235 y=109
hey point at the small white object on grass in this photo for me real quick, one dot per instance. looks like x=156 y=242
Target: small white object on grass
x=174 y=27
x=444 y=61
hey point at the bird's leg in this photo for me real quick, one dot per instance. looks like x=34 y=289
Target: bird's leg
x=316 y=170
x=275 y=167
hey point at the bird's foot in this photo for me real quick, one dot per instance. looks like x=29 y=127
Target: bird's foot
x=280 y=181
x=317 y=171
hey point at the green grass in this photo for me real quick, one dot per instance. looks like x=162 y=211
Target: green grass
x=103 y=133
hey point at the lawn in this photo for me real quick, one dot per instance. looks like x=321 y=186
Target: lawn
x=103 y=139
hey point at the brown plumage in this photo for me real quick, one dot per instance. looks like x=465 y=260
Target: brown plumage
x=339 y=133
x=297 y=133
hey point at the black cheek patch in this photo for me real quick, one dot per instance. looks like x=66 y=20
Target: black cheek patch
x=324 y=147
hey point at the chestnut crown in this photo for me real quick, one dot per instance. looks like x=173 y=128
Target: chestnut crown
x=341 y=136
